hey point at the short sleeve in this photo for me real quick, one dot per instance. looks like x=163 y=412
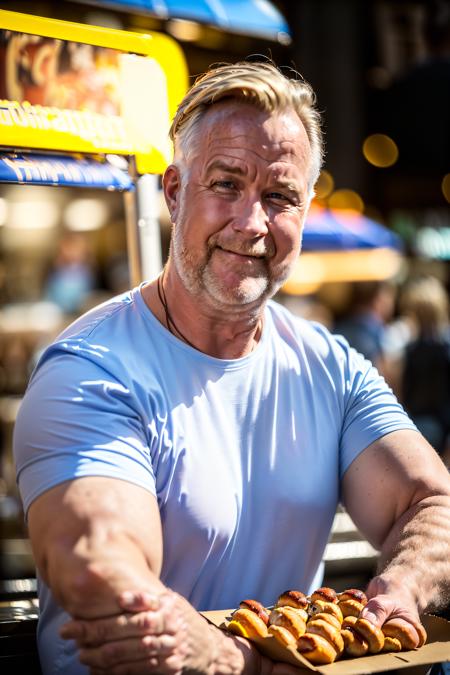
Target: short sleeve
x=77 y=419
x=371 y=409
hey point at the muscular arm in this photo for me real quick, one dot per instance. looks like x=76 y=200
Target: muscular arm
x=398 y=493
x=93 y=538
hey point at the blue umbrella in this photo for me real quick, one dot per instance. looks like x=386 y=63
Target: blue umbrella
x=335 y=230
x=250 y=17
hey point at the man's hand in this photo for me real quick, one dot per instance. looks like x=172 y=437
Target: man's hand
x=397 y=491
x=162 y=634
x=388 y=602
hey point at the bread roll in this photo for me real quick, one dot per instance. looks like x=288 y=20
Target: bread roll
x=396 y=628
x=349 y=622
x=354 y=644
x=324 y=626
x=371 y=633
x=327 y=607
x=324 y=593
x=292 y=599
x=247 y=624
x=327 y=631
x=283 y=635
x=289 y=618
x=316 y=649
x=391 y=645
x=330 y=618
x=350 y=607
x=353 y=594
x=257 y=607
x=422 y=633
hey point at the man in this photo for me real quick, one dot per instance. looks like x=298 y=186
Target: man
x=185 y=445
x=371 y=307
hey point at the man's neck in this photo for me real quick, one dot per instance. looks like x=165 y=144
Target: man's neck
x=226 y=334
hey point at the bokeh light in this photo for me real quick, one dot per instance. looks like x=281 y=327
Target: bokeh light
x=3 y=211
x=346 y=199
x=380 y=150
x=324 y=185
x=186 y=31
x=446 y=187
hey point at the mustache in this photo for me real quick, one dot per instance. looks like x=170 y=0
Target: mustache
x=259 y=249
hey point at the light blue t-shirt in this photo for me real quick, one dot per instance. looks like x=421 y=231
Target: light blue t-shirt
x=245 y=456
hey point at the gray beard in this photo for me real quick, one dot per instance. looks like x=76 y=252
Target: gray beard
x=197 y=278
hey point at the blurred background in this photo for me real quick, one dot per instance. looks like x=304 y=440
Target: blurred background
x=377 y=246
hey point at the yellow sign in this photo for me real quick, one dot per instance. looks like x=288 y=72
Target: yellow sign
x=76 y=88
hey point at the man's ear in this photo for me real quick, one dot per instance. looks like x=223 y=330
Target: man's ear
x=172 y=186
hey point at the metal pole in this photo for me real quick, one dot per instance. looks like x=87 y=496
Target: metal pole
x=147 y=202
x=133 y=249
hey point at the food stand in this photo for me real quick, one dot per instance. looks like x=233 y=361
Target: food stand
x=88 y=108
x=95 y=104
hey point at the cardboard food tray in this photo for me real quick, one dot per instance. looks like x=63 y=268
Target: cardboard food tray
x=436 y=650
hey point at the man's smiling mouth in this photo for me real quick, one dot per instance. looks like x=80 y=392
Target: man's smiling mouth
x=243 y=254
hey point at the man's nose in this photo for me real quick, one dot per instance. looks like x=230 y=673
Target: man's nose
x=252 y=219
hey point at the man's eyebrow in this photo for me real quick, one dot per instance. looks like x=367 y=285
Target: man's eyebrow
x=223 y=166
x=290 y=185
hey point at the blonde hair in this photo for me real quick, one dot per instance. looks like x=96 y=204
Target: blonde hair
x=260 y=84
x=425 y=300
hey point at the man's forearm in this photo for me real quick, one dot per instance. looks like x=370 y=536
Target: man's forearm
x=93 y=538
x=416 y=555
x=87 y=578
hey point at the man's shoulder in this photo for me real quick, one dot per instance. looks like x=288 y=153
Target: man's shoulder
x=308 y=333
x=100 y=317
x=105 y=335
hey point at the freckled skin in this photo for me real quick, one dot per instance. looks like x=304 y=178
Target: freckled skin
x=237 y=205
x=238 y=218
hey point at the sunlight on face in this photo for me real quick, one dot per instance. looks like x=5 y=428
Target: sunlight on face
x=241 y=205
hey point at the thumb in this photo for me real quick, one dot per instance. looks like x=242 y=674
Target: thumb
x=375 y=611
x=138 y=601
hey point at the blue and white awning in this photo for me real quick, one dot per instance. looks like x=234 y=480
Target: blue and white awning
x=40 y=169
x=340 y=230
x=259 y=18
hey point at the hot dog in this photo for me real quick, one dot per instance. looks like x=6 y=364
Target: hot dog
x=247 y=624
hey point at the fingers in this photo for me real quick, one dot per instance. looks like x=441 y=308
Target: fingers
x=165 y=640
x=94 y=632
x=139 y=601
x=150 y=649
x=376 y=611
x=410 y=634
x=383 y=609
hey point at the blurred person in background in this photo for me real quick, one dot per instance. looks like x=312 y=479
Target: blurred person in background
x=425 y=382
x=371 y=307
x=72 y=276
x=185 y=445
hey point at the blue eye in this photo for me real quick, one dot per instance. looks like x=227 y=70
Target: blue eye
x=225 y=184
x=279 y=197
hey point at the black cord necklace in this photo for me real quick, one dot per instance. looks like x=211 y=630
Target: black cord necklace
x=171 y=325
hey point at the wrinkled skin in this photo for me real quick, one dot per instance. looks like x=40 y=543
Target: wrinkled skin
x=162 y=634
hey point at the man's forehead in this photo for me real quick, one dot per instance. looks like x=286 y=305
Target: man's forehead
x=242 y=164
x=237 y=128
